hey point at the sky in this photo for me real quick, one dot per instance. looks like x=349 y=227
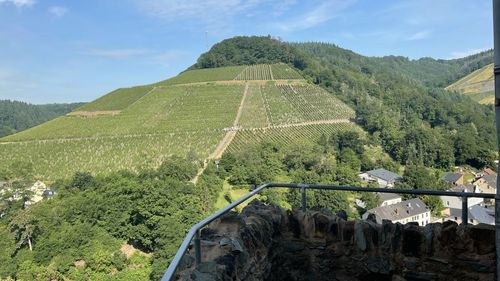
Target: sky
x=76 y=51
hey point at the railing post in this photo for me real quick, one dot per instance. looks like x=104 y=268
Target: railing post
x=304 y=198
x=465 y=210
x=197 y=247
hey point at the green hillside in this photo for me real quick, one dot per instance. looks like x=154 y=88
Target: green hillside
x=479 y=85
x=16 y=116
x=192 y=114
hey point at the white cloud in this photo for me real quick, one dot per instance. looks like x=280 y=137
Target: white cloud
x=320 y=14
x=214 y=15
x=58 y=11
x=461 y=54
x=419 y=35
x=116 y=53
x=19 y=3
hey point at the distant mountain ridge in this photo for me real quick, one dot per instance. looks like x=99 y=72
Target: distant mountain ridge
x=16 y=116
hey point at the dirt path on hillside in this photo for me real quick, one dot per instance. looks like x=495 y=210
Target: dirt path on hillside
x=317 y=122
x=228 y=138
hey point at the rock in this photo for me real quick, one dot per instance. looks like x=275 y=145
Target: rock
x=419 y=276
x=266 y=243
x=359 y=236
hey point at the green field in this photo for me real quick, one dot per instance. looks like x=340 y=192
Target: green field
x=478 y=85
x=139 y=127
x=288 y=135
x=117 y=100
x=285 y=72
x=204 y=75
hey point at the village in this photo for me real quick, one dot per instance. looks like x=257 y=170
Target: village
x=392 y=207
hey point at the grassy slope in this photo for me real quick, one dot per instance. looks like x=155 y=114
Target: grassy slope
x=177 y=118
x=478 y=85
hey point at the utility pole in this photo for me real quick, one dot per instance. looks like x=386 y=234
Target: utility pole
x=496 y=42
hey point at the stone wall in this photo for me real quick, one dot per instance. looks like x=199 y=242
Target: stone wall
x=265 y=242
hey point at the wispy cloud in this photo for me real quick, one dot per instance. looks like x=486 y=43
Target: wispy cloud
x=116 y=53
x=58 y=11
x=316 y=16
x=461 y=54
x=419 y=35
x=213 y=15
x=19 y=3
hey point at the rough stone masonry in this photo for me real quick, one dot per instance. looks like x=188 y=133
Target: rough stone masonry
x=265 y=242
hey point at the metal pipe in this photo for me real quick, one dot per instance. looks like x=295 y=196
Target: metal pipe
x=169 y=274
x=465 y=210
x=496 y=59
x=385 y=190
x=197 y=247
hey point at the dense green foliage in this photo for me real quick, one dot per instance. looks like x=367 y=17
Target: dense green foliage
x=396 y=100
x=437 y=73
x=336 y=158
x=16 y=116
x=90 y=218
x=245 y=50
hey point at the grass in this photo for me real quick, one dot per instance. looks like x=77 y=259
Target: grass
x=285 y=72
x=204 y=75
x=478 y=85
x=230 y=194
x=117 y=100
x=149 y=123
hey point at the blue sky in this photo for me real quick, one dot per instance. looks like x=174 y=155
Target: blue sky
x=68 y=51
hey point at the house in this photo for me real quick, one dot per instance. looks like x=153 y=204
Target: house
x=413 y=210
x=387 y=199
x=481 y=214
x=453 y=202
x=382 y=177
x=454 y=178
x=487 y=183
x=37 y=190
x=490 y=172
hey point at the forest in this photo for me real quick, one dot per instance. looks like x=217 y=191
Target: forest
x=17 y=116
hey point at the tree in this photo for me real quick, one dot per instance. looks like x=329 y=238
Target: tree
x=25 y=228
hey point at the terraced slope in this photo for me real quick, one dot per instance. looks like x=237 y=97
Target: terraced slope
x=479 y=85
x=192 y=114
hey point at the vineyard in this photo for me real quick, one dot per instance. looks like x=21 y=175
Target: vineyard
x=256 y=72
x=204 y=75
x=254 y=114
x=294 y=135
x=61 y=158
x=285 y=72
x=117 y=100
x=150 y=123
x=169 y=109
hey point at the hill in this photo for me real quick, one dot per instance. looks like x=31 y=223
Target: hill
x=479 y=85
x=16 y=116
x=400 y=102
x=195 y=114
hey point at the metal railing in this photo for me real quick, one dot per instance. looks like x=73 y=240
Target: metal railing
x=194 y=232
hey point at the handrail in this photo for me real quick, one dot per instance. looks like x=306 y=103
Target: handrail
x=194 y=232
